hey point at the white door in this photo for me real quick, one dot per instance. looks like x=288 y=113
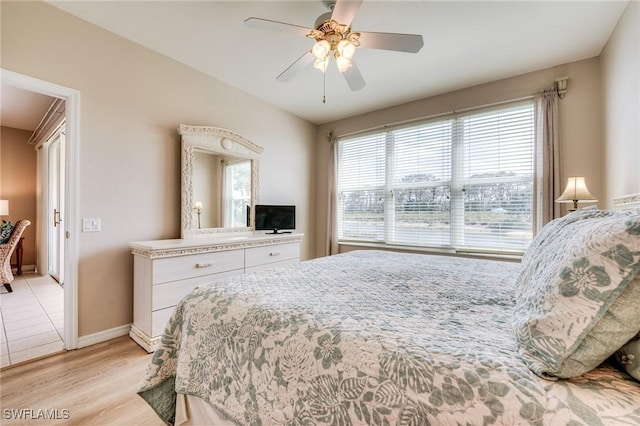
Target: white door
x=55 y=156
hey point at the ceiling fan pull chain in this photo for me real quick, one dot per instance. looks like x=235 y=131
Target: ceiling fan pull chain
x=324 y=87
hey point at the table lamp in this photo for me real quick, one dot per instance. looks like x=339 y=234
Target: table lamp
x=576 y=192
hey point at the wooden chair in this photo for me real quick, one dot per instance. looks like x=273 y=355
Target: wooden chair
x=6 y=250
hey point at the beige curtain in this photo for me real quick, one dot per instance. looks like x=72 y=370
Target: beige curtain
x=548 y=183
x=331 y=243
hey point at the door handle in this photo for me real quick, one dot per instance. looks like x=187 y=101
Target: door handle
x=56 y=218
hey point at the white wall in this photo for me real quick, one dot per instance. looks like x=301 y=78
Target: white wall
x=132 y=101
x=580 y=121
x=621 y=105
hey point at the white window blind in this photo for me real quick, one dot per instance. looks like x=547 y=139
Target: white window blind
x=362 y=190
x=463 y=182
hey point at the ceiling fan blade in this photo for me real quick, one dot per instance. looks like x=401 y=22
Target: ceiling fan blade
x=411 y=43
x=345 y=10
x=267 y=24
x=354 y=78
x=293 y=69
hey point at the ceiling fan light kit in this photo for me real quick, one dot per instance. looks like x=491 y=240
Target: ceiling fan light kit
x=330 y=36
x=333 y=35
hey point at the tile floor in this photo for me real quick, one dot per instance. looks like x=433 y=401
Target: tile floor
x=31 y=319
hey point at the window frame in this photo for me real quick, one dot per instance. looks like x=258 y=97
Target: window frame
x=456 y=183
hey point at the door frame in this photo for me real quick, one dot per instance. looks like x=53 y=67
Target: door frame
x=71 y=203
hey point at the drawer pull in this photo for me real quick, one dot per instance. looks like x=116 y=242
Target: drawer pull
x=204 y=264
x=274 y=253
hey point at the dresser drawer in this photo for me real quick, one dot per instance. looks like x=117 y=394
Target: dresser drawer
x=282 y=264
x=255 y=256
x=169 y=294
x=196 y=265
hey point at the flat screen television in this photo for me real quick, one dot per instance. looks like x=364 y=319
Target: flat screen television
x=275 y=218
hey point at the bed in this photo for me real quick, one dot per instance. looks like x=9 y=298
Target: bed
x=383 y=338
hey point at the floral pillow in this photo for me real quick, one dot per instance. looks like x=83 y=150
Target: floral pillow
x=576 y=297
x=629 y=357
x=5 y=231
x=547 y=233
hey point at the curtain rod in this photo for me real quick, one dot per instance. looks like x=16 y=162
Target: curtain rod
x=559 y=85
x=428 y=117
x=54 y=111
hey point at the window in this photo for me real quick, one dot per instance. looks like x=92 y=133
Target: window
x=463 y=183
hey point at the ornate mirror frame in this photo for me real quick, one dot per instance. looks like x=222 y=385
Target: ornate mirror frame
x=216 y=141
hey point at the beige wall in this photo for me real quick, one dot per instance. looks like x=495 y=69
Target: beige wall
x=132 y=101
x=621 y=104
x=18 y=164
x=580 y=122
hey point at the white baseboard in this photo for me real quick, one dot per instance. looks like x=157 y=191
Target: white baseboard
x=103 y=336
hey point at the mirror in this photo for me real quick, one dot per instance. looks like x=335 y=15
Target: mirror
x=219 y=181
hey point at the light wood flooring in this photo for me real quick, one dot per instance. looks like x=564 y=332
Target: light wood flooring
x=96 y=385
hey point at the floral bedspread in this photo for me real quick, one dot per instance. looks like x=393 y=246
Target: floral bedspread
x=370 y=337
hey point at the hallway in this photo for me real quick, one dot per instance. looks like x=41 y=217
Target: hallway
x=32 y=319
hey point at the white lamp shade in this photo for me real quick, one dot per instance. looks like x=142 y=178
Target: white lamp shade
x=576 y=191
x=346 y=49
x=321 y=49
x=4 y=207
x=343 y=63
x=321 y=64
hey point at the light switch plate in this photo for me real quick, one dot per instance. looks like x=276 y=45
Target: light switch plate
x=91 y=224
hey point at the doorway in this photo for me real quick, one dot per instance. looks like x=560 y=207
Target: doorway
x=67 y=187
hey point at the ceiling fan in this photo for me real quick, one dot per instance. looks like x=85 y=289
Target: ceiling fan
x=334 y=37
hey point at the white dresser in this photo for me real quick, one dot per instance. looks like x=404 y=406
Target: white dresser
x=164 y=271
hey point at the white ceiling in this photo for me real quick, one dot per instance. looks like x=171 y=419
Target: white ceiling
x=466 y=43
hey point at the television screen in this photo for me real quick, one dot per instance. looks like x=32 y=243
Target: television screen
x=274 y=218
